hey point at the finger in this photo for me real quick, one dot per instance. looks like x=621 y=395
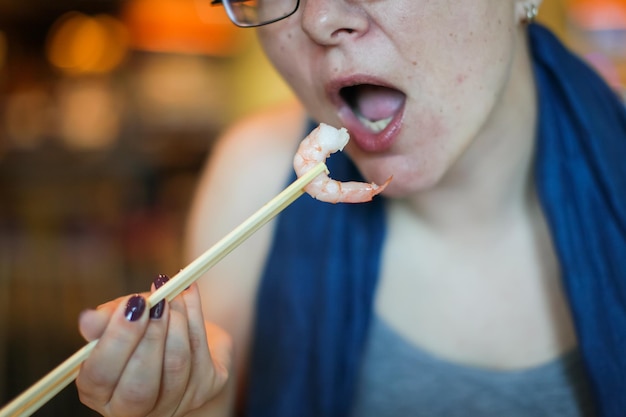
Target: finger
x=157 y=310
x=176 y=361
x=92 y=323
x=103 y=368
x=138 y=389
x=110 y=305
x=207 y=376
x=197 y=331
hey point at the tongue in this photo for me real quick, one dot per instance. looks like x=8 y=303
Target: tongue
x=376 y=102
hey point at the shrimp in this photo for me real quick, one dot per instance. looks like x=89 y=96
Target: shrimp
x=315 y=148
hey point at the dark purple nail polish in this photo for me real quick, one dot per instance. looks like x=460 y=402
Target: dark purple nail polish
x=160 y=280
x=157 y=311
x=135 y=307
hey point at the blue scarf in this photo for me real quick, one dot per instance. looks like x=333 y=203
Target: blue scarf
x=316 y=296
x=581 y=178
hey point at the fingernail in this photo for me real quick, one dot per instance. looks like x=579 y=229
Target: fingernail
x=157 y=311
x=160 y=280
x=135 y=308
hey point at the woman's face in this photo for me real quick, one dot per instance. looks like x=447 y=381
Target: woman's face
x=415 y=82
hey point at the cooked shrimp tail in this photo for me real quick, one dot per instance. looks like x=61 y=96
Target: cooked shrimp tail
x=316 y=148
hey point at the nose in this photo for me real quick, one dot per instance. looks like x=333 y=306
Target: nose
x=329 y=22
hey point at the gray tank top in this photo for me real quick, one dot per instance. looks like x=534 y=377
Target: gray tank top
x=400 y=380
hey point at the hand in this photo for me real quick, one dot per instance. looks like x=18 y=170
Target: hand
x=146 y=365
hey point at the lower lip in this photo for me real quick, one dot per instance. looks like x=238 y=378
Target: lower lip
x=366 y=139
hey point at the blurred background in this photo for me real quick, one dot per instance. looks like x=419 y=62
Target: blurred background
x=108 y=110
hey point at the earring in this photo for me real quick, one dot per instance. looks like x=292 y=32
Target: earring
x=530 y=13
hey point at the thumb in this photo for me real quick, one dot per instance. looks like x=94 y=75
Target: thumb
x=91 y=323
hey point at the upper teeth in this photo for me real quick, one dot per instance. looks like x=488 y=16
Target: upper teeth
x=376 y=126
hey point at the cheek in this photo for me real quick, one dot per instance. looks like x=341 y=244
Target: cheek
x=279 y=45
x=432 y=148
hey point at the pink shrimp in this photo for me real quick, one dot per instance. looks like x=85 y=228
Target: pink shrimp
x=315 y=148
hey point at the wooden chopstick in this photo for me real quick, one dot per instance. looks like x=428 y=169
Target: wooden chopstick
x=46 y=388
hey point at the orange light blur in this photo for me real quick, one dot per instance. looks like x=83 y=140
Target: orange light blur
x=182 y=26
x=598 y=14
x=79 y=44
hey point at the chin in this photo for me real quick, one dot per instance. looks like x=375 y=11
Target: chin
x=404 y=182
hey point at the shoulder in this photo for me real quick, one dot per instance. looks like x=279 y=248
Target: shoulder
x=248 y=166
x=273 y=133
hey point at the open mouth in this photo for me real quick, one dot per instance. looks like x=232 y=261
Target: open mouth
x=374 y=106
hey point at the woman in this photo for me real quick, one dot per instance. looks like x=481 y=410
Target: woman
x=487 y=280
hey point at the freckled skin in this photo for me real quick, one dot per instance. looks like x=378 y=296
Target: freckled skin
x=453 y=64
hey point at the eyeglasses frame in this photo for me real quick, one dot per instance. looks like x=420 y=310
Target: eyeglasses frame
x=232 y=17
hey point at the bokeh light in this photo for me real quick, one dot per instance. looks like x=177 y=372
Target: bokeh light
x=79 y=44
x=598 y=14
x=27 y=118
x=182 y=26
x=89 y=113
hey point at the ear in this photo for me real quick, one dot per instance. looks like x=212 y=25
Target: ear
x=526 y=10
